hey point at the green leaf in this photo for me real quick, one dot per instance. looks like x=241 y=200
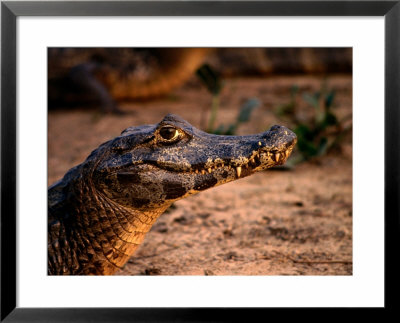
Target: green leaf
x=312 y=100
x=210 y=79
x=283 y=109
x=320 y=119
x=330 y=119
x=307 y=148
x=303 y=131
x=231 y=130
x=246 y=109
x=329 y=99
x=219 y=130
x=293 y=91
x=227 y=131
x=323 y=146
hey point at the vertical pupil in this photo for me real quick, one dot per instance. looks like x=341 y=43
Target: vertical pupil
x=168 y=132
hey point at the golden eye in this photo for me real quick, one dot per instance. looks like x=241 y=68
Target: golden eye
x=169 y=133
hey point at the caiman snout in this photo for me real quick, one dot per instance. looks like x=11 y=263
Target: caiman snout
x=280 y=132
x=280 y=137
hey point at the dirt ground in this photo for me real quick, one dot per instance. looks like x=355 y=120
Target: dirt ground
x=277 y=222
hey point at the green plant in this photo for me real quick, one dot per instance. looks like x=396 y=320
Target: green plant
x=242 y=117
x=214 y=85
x=319 y=131
x=288 y=108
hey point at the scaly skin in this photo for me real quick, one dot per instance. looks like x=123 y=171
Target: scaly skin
x=101 y=210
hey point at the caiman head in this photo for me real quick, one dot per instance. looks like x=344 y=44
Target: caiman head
x=149 y=167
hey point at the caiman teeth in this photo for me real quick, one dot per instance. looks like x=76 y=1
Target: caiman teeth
x=252 y=161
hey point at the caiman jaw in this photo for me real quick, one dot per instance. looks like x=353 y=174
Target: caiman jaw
x=259 y=159
x=252 y=154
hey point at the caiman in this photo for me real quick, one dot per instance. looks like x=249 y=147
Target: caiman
x=101 y=210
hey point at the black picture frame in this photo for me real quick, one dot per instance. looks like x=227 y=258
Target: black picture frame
x=11 y=10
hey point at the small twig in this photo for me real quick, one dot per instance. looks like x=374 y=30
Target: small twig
x=321 y=261
x=157 y=253
x=214 y=111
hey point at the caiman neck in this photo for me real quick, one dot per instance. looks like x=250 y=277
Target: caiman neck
x=96 y=235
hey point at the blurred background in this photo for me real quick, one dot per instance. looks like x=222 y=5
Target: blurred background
x=292 y=220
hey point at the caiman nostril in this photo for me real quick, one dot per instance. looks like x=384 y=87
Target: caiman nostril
x=273 y=128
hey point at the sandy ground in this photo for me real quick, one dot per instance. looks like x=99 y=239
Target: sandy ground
x=294 y=222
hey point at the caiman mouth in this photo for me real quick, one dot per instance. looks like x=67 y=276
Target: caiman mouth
x=245 y=166
x=260 y=159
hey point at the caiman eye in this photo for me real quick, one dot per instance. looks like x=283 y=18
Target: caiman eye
x=169 y=133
